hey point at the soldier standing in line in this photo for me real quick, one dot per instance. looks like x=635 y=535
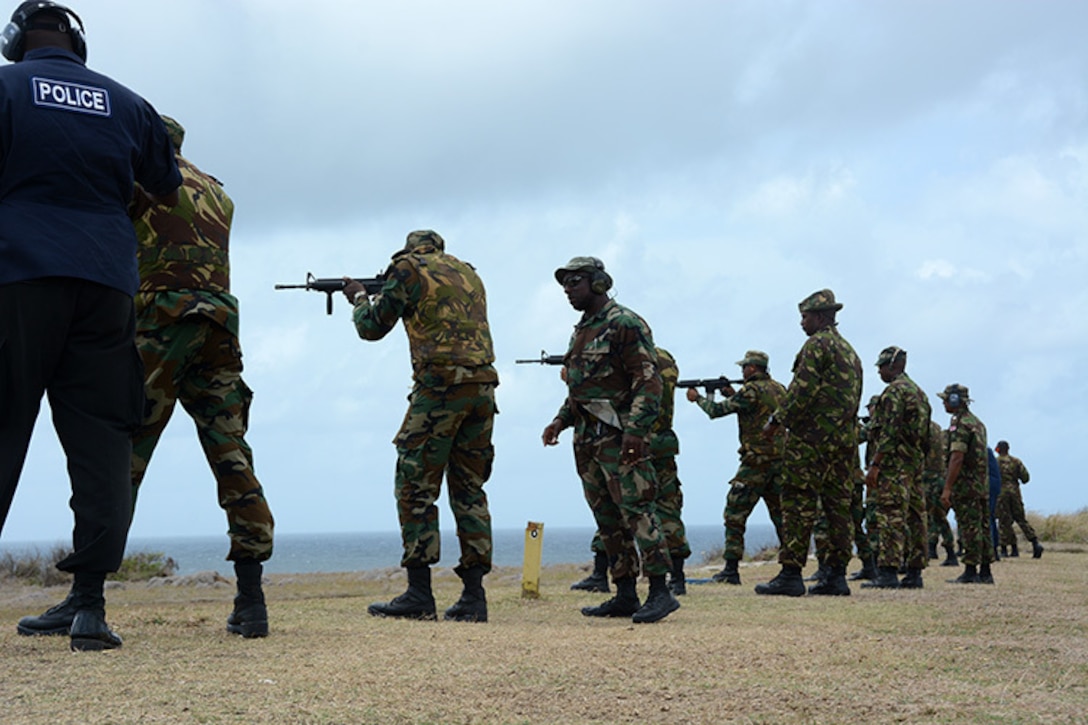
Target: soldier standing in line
x=933 y=474
x=861 y=509
x=451 y=411
x=899 y=434
x=966 y=486
x=1010 y=503
x=664 y=447
x=820 y=460
x=614 y=398
x=760 y=473
x=187 y=334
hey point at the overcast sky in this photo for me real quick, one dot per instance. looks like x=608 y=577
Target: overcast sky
x=928 y=161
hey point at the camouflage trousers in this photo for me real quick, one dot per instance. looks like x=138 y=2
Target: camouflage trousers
x=670 y=502
x=1010 y=509
x=816 y=481
x=446 y=432
x=972 y=507
x=623 y=499
x=937 y=526
x=199 y=363
x=900 y=518
x=751 y=483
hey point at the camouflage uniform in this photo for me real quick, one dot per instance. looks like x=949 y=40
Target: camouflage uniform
x=664 y=447
x=614 y=388
x=1010 y=504
x=451 y=409
x=933 y=474
x=900 y=434
x=187 y=335
x=760 y=472
x=970 y=490
x=820 y=459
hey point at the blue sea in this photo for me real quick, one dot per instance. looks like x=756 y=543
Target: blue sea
x=303 y=553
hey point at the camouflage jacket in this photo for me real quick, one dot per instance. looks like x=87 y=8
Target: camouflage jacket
x=967 y=434
x=184 y=255
x=443 y=304
x=663 y=440
x=936 y=461
x=821 y=403
x=1013 y=472
x=753 y=403
x=612 y=376
x=899 y=429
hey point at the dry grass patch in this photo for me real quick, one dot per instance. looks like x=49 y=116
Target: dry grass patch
x=1015 y=652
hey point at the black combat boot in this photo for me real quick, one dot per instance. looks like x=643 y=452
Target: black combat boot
x=788 y=583
x=472 y=606
x=933 y=550
x=55 y=620
x=821 y=573
x=951 y=559
x=416 y=603
x=728 y=575
x=1005 y=550
x=913 y=580
x=250 y=615
x=834 y=585
x=867 y=571
x=89 y=631
x=624 y=604
x=677 y=581
x=1015 y=553
x=985 y=576
x=969 y=576
x=1036 y=549
x=660 y=603
x=885 y=579
x=597 y=581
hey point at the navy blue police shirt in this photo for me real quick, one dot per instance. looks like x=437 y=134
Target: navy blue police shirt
x=72 y=142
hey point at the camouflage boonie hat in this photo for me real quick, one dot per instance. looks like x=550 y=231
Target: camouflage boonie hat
x=820 y=302
x=889 y=355
x=425 y=238
x=755 y=357
x=1002 y=446
x=175 y=131
x=873 y=401
x=960 y=391
x=579 y=264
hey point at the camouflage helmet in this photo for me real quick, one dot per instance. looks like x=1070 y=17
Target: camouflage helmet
x=175 y=131
x=600 y=281
x=755 y=357
x=889 y=355
x=821 y=301
x=1002 y=447
x=424 y=238
x=955 y=395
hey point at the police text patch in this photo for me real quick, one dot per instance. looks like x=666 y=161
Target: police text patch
x=71 y=96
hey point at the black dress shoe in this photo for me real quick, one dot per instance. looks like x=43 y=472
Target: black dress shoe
x=90 y=633
x=55 y=620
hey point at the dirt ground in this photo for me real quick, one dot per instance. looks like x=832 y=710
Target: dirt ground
x=1013 y=652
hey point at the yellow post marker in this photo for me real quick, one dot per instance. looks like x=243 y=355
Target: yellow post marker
x=530 y=570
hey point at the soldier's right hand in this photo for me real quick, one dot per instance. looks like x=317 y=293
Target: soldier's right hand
x=551 y=433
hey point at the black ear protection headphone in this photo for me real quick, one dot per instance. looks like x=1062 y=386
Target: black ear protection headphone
x=954 y=400
x=13 y=37
x=600 y=281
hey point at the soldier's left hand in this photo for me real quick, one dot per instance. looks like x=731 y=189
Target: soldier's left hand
x=351 y=288
x=871 y=477
x=632 y=449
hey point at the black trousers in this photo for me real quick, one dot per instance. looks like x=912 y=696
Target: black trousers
x=73 y=340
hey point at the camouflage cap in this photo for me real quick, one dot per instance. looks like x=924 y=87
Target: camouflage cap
x=873 y=401
x=889 y=355
x=755 y=357
x=1002 y=446
x=579 y=264
x=175 y=131
x=425 y=238
x=819 y=302
x=960 y=391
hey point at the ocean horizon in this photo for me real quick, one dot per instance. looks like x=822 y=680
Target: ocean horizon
x=358 y=551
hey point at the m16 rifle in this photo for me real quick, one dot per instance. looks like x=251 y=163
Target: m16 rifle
x=709 y=384
x=544 y=359
x=331 y=285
